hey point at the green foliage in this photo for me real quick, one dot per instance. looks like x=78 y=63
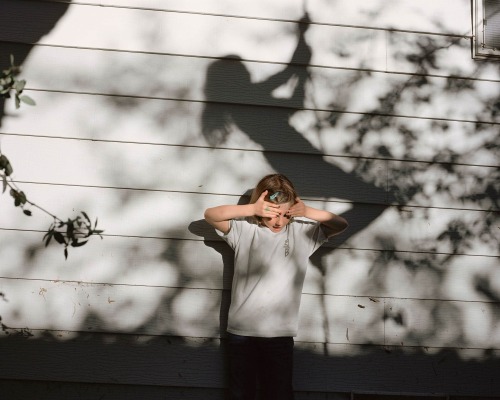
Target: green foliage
x=10 y=84
x=70 y=233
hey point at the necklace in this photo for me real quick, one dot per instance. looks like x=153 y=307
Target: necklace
x=287 y=242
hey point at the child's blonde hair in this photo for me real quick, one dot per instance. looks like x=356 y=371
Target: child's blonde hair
x=279 y=188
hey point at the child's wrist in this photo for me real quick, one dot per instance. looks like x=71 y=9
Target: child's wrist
x=307 y=211
x=250 y=210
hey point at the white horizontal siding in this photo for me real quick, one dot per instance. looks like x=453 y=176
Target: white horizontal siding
x=73 y=163
x=192 y=264
x=142 y=123
x=404 y=15
x=177 y=311
x=155 y=76
x=169 y=214
x=183 y=33
x=406 y=300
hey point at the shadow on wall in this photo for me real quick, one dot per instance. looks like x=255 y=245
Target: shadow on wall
x=136 y=359
x=228 y=91
x=145 y=362
x=285 y=149
x=33 y=22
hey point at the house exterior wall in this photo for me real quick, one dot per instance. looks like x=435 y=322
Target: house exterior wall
x=148 y=112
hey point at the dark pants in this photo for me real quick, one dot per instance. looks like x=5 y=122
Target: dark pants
x=260 y=365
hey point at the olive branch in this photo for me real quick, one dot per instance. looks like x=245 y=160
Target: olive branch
x=72 y=232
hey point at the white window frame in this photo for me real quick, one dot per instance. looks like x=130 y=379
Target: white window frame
x=479 y=49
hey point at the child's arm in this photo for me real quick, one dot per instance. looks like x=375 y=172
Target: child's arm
x=332 y=224
x=220 y=216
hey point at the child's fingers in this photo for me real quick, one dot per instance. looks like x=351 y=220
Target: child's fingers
x=268 y=209
x=263 y=195
x=271 y=209
x=298 y=209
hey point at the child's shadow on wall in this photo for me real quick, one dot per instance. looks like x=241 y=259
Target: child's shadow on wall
x=233 y=101
x=210 y=238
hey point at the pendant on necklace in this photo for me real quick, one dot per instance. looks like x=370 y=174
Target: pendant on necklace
x=287 y=247
x=287 y=243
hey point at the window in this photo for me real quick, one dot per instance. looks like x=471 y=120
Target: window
x=486 y=29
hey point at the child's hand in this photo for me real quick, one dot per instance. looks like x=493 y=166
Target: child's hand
x=266 y=209
x=297 y=210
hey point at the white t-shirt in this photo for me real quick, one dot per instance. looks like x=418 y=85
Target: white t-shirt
x=267 y=284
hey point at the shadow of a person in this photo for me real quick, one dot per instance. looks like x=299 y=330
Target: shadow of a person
x=210 y=238
x=233 y=100
x=229 y=91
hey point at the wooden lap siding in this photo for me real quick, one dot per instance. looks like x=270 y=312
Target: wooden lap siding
x=406 y=304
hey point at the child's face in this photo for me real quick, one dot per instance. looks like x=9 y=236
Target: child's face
x=276 y=224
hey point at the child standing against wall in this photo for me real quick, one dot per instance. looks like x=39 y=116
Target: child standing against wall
x=272 y=249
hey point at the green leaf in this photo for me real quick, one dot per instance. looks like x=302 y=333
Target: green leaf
x=18 y=102
x=27 y=212
x=4 y=179
x=66 y=253
x=22 y=197
x=8 y=170
x=3 y=161
x=19 y=197
x=27 y=100
x=19 y=85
